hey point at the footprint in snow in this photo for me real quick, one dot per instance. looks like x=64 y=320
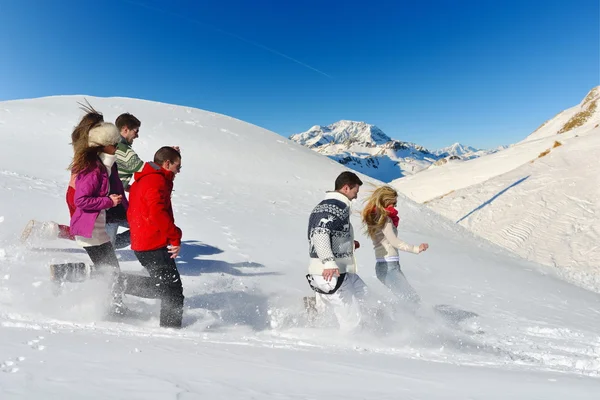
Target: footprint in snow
x=10 y=366
x=35 y=343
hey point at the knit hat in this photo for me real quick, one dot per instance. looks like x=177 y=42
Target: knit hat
x=104 y=134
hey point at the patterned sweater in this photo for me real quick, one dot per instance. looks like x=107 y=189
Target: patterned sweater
x=330 y=235
x=128 y=162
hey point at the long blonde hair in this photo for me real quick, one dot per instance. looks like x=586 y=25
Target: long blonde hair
x=374 y=214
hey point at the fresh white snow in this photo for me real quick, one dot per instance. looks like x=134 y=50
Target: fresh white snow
x=242 y=200
x=540 y=198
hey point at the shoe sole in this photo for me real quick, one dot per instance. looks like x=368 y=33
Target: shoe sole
x=27 y=231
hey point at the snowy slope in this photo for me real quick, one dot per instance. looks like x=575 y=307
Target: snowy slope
x=540 y=198
x=584 y=115
x=242 y=200
x=434 y=183
x=366 y=149
x=546 y=211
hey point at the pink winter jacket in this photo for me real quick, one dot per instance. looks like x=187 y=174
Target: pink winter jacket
x=91 y=197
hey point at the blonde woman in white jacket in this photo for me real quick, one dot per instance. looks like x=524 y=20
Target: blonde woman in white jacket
x=380 y=218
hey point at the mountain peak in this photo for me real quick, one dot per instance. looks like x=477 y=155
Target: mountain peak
x=456 y=149
x=584 y=116
x=342 y=132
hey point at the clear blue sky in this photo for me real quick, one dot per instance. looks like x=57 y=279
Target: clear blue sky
x=479 y=72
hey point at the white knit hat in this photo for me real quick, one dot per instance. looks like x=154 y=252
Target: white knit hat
x=104 y=134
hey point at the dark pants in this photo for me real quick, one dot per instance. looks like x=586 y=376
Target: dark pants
x=123 y=239
x=103 y=256
x=164 y=283
x=105 y=262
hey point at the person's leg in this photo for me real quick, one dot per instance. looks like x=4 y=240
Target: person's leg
x=361 y=290
x=46 y=230
x=390 y=274
x=119 y=240
x=123 y=239
x=28 y=230
x=344 y=302
x=105 y=262
x=163 y=270
x=140 y=286
x=64 y=232
x=103 y=256
x=111 y=230
x=71 y=200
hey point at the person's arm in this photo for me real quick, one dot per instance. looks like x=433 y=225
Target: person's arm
x=321 y=241
x=388 y=232
x=128 y=163
x=117 y=186
x=86 y=193
x=159 y=216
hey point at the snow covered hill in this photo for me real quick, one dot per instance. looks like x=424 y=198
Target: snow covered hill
x=539 y=198
x=546 y=211
x=582 y=116
x=242 y=200
x=366 y=149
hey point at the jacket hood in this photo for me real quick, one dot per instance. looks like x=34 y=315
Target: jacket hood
x=151 y=168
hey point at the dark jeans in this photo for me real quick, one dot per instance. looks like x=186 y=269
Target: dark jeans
x=120 y=240
x=164 y=283
x=123 y=239
x=105 y=262
x=103 y=256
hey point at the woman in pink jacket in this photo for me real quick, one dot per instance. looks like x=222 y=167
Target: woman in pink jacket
x=97 y=189
x=49 y=229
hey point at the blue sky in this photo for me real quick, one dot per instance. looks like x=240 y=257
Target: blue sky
x=483 y=73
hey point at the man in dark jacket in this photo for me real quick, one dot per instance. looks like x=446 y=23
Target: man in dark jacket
x=155 y=238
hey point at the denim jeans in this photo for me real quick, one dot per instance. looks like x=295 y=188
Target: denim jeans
x=119 y=240
x=390 y=274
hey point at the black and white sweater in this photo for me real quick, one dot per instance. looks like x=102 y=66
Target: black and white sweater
x=330 y=235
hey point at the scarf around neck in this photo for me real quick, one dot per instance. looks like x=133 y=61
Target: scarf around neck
x=393 y=214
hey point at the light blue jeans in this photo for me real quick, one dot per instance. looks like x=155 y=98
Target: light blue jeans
x=390 y=274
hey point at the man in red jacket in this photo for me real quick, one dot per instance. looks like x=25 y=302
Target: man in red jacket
x=155 y=238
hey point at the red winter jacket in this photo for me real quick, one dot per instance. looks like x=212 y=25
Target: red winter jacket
x=150 y=214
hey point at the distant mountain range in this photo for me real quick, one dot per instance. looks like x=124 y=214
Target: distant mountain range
x=367 y=149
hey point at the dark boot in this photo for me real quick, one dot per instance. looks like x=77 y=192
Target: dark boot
x=69 y=272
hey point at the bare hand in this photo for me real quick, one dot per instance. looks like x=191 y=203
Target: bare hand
x=176 y=148
x=356 y=245
x=330 y=273
x=423 y=247
x=174 y=250
x=116 y=199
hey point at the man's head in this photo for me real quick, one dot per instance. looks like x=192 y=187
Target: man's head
x=168 y=158
x=129 y=127
x=348 y=184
